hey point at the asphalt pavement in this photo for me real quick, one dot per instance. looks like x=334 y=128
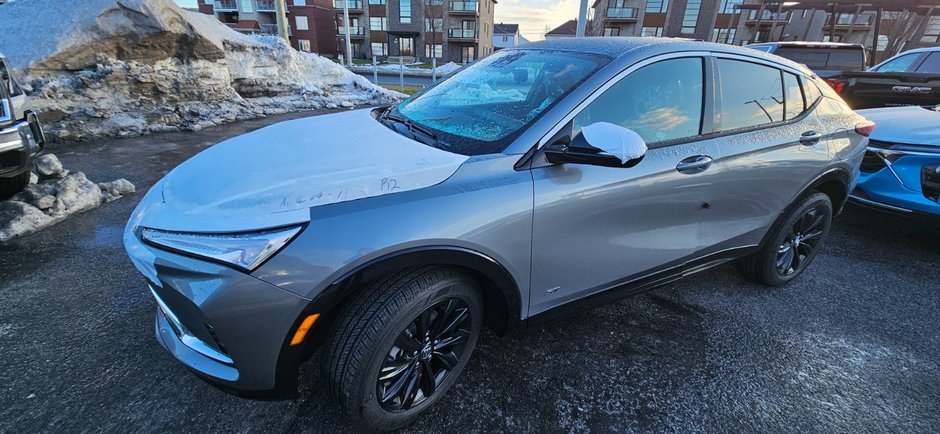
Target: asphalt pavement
x=851 y=346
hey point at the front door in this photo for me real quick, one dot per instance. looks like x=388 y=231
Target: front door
x=595 y=227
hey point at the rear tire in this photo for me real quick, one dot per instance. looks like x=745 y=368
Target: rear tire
x=11 y=186
x=792 y=243
x=379 y=334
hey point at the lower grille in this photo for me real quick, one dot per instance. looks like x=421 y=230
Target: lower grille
x=930 y=181
x=11 y=159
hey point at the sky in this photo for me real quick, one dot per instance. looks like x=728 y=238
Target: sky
x=533 y=16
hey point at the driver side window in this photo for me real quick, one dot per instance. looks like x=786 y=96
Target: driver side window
x=660 y=102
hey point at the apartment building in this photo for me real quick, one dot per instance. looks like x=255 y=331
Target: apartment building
x=710 y=20
x=448 y=30
x=310 y=22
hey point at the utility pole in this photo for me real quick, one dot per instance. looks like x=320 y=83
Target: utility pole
x=582 y=18
x=346 y=26
x=280 y=9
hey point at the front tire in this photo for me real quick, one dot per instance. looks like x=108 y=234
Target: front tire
x=401 y=345
x=792 y=243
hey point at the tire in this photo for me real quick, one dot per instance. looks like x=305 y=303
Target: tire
x=372 y=336
x=802 y=231
x=11 y=186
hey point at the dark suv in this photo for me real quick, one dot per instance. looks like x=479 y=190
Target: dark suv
x=21 y=137
x=824 y=58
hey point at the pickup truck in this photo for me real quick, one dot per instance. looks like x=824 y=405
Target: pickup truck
x=21 y=136
x=826 y=59
x=910 y=78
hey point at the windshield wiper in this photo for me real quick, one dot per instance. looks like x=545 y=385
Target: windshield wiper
x=430 y=138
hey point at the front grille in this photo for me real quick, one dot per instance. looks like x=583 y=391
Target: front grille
x=930 y=181
x=12 y=159
x=872 y=162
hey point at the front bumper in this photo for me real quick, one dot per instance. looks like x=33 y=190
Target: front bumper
x=19 y=143
x=228 y=327
x=901 y=179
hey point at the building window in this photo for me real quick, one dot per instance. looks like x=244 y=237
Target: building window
x=404 y=11
x=651 y=31
x=406 y=46
x=302 y=3
x=433 y=25
x=724 y=36
x=379 y=49
x=505 y=38
x=657 y=6
x=376 y=2
x=932 y=32
x=433 y=50
x=302 y=23
x=727 y=6
x=378 y=23
x=612 y=31
x=304 y=44
x=467 y=54
x=690 y=17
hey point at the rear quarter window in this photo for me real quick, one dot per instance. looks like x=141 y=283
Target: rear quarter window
x=931 y=64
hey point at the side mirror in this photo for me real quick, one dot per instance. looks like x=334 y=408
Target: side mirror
x=600 y=144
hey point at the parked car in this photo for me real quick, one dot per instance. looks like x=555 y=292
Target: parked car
x=826 y=59
x=910 y=78
x=901 y=169
x=537 y=180
x=21 y=136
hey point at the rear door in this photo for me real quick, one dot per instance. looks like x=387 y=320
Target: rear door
x=772 y=145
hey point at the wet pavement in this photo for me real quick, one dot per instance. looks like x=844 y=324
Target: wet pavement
x=851 y=346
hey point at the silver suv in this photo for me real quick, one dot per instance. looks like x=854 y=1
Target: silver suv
x=538 y=179
x=21 y=137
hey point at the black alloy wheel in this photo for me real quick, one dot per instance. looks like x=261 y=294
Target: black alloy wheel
x=423 y=355
x=801 y=241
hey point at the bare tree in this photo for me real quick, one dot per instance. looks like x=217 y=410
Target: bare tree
x=433 y=23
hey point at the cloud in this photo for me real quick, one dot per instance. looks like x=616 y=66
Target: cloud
x=533 y=16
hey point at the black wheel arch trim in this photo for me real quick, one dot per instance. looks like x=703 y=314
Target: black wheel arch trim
x=833 y=174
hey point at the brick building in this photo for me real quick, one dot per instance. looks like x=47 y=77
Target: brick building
x=311 y=22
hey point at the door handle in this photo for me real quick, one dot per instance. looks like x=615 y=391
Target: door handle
x=695 y=164
x=810 y=138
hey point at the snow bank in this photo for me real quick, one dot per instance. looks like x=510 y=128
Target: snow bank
x=129 y=67
x=52 y=196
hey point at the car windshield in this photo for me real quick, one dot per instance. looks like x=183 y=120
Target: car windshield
x=483 y=107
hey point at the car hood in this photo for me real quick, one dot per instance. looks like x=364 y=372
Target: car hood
x=273 y=176
x=912 y=125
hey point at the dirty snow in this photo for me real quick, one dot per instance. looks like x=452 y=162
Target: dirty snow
x=130 y=67
x=56 y=194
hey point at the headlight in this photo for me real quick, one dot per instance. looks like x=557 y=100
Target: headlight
x=243 y=250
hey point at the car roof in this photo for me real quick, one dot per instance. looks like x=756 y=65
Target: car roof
x=809 y=44
x=619 y=46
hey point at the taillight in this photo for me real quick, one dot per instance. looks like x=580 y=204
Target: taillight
x=865 y=128
x=836 y=85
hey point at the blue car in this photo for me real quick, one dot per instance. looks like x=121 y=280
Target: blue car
x=901 y=169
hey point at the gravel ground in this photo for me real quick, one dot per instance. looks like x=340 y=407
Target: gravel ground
x=851 y=346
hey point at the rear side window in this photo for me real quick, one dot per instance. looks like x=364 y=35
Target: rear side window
x=751 y=94
x=812 y=59
x=660 y=102
x=931 y=64
x=794 y=102
x=899 y=64
x=846 y=59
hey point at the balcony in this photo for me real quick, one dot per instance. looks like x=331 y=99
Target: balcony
x=462 y=34
x=269 y=29
x=226 y=5
x=622 y=14
x=265 y=6
x=768 y=17
x=354 y=5
x=468 y=8
x=354 y=31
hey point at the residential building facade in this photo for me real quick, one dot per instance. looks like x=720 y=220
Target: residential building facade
x=568 y=29
x=310 y=22
x=447 y=30
x=507 y=35
x=695 y=19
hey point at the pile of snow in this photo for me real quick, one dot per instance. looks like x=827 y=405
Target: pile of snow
x=129 y=67
x=52 y=195
x=448 y=68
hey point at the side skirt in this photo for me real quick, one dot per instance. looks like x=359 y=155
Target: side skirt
x=634 y=285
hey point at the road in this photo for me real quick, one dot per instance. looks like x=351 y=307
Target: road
x=851 y=346
x=394 y=79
